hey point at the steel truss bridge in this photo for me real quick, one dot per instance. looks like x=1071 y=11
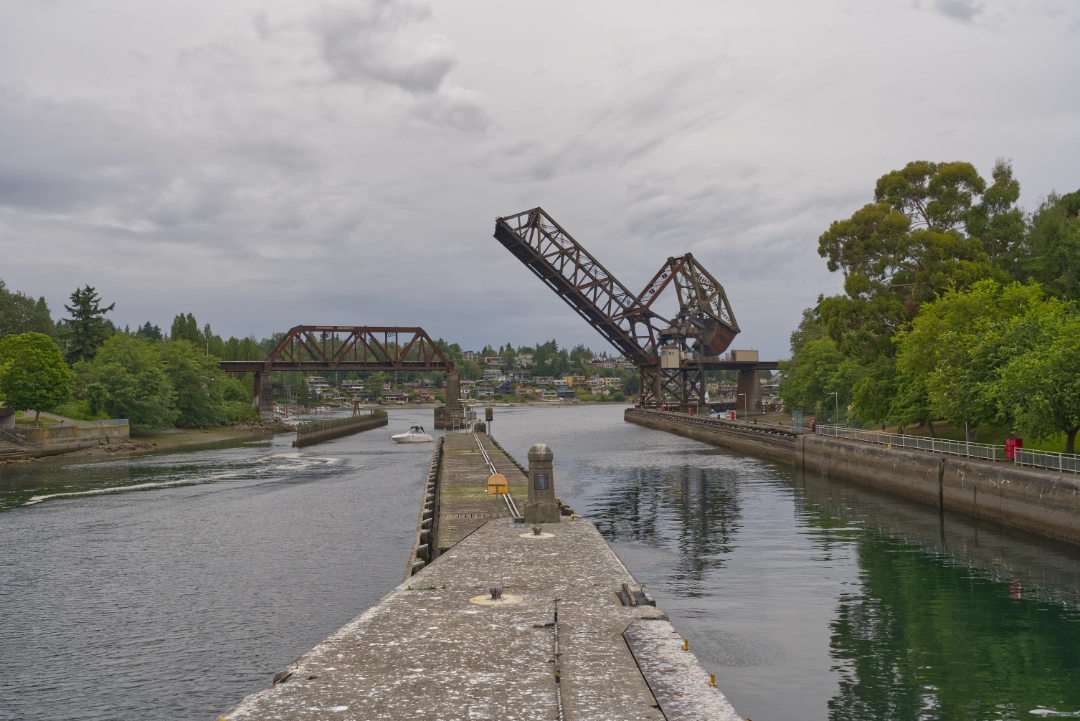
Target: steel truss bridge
x=347 y=348
x=672 y=354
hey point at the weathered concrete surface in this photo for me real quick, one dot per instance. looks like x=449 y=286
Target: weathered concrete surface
x=1038 y=501
x=767 y=441
x=678 y=682
x=463 y=501
x=313 y=432
x=426 y=652
x=58 y=439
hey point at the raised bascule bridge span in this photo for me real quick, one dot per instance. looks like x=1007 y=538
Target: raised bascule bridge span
x=672 y=354
x=313 y=348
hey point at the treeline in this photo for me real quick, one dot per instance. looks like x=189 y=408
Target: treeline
x=957 y=306
x=548 y=359
x=83 y=367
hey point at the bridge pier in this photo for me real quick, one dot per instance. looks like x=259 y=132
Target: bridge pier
x=263 y=395
x=748 y=386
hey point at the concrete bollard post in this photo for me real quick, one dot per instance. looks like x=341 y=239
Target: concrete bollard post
x=541 y=506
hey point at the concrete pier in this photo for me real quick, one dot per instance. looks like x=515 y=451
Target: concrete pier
x=508 y=621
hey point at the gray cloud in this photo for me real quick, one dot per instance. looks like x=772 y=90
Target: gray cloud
x=264 y=164
x=371 y=42
x=962 y=10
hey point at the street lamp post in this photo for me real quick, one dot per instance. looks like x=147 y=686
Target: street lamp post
x=737 y=406
x=836 y=399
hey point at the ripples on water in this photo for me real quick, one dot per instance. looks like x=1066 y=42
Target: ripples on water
x=809 y=599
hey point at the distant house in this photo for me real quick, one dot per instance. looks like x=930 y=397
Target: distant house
x=482 y=392
x=317 y=384
x=518 y=376
x=494 y=374
x=506 y=388
x=543 y=380
x=364 y=396
x=469 y=355
x=494 y=361
x=352 y=387
x=574 y=380
x=395 y=396
x=549 y=396
x=427 y=395
x=566 y=395
x=524 y=360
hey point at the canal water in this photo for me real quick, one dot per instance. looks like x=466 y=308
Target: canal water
x=810 y=599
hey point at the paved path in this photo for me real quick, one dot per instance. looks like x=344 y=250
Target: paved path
x=426 y=652
x=430 y=651
x=464 y=503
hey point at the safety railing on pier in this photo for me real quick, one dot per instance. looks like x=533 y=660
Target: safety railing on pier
x=985 y=451
x=1063 y=462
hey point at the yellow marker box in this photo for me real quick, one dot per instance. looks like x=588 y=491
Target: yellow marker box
x=497 y=484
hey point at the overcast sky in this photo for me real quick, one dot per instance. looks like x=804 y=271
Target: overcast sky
x=264 y=164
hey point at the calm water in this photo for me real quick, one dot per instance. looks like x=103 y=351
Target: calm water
x=809 y=599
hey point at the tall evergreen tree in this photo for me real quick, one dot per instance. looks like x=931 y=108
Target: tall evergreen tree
x=87 y=328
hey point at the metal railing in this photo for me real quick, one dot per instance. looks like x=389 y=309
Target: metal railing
x=1063 y=462
x=985 y=451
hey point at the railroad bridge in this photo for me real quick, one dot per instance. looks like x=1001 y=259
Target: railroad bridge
x=315 y=348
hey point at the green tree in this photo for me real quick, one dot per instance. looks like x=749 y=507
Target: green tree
x=197 y=383
x=33 y=374
x=1051 y=252
x=932 y=227
x=132 y=376
x=185 y=327
x=374 y=382
x=950 y=359
x=148 y=332
x=20 y=313
x=1040 y=387
x=813 y=375
x=86 y=328
x=996 y=221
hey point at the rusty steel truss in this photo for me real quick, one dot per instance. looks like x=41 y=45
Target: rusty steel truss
x=349 y=348
x=702 y=329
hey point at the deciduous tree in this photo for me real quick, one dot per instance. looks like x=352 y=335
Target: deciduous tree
x=132 y=378
x=33 y=374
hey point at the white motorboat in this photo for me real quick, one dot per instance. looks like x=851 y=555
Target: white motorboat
x=416 y=434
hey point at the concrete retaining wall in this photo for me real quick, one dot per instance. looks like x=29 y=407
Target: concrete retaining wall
x=65 y=439
x=776 y=444
x=319 y=431
x=1038 y=501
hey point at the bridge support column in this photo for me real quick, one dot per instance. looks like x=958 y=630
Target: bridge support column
x=748 y=394
x=264 y=395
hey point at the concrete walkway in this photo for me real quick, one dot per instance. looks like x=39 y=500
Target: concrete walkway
x=427 y=651
x=464 y=503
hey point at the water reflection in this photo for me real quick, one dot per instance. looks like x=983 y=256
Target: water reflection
x=956 y=619
x=693 y=510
